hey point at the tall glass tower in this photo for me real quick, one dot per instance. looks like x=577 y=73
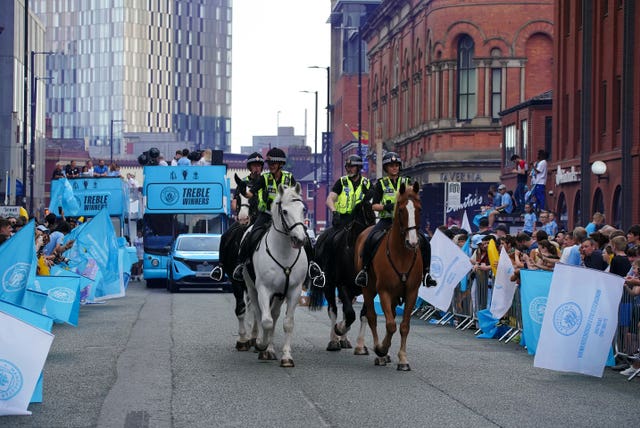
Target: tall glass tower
x=150 y=65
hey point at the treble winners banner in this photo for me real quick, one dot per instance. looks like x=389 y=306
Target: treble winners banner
x=580 y=320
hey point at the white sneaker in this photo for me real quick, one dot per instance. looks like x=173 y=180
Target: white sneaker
x=628 y=372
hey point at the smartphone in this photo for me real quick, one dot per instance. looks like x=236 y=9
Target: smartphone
x=60 y=210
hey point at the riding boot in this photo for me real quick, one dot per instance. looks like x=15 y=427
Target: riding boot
x=243 y=256
x=425 y=251
x=362 y=278
x=314 y=271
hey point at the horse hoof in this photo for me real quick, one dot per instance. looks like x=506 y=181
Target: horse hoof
x=361 y=351
x=379 y=351
x=286 y=362
x=404 y=367
x=334 y=345
x=345 y=344
x=387 y=358
x=243 y=346
x=380 y=361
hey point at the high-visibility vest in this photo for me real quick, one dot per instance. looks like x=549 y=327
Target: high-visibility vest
x=267 y=195
x=350 y=196
x=389 y=193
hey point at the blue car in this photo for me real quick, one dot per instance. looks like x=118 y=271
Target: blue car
x=191 y=260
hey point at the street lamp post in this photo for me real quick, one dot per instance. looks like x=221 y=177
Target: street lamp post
x=327 y=150
x=315 y=161
x=111 y=138
x=32 y=151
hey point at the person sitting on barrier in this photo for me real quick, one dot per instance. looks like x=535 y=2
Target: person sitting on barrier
x=384 y=201
x=255 y=165
x=266 y=189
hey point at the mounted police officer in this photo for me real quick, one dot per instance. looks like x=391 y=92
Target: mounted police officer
x=255 y=164
x=266 y=189
x=384 y=200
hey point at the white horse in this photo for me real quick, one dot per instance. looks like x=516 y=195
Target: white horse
x=280 y=266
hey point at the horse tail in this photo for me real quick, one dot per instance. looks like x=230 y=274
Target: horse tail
x=316 y=298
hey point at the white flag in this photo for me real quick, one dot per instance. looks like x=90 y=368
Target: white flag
x=465 y=222
x=449 y=264
x=23 y=351
x=580 y=320
x=503 y=287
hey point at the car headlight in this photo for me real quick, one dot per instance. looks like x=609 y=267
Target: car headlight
x=155 y=262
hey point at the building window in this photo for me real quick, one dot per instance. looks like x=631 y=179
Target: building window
x=311 y=191
x=496 y=93
x=603 y=108
x=524 y=137
x=548 y=129
x=617 y=100
x=466 y=80
x=509 y=141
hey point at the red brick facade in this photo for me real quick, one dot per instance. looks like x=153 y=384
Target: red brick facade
x=420 y=101
x=596 y=110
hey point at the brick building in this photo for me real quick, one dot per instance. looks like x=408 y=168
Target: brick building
x=440 y=71
x=596 y=112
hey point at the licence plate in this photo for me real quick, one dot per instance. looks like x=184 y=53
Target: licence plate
x=204 y=270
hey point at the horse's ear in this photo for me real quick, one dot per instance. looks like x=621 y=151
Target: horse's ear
x=298 y=188
x=402 y=188
x=416 y=186
x=280 y=189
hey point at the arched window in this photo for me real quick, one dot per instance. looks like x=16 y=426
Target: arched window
x=576 y=208
x=466 y=80
x=562 y=213
x=598 y=202
x=616 y=218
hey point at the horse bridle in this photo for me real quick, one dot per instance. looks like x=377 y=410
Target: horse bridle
x=403 y=275
x=288 y=228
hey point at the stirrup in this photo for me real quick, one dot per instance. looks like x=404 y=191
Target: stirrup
x=314 y=270
x=217 y=273
x=427 y=281
x=362 y=278
x=319 y=281
x=238 y=272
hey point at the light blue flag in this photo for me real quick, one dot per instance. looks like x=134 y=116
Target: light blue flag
x=467 y=250
x=95 y=255
x=62 y=196
x=534 y=290
x=86 y=284
x=63 y=297
x=16 y=263
x=488 y=324
x=34 y=300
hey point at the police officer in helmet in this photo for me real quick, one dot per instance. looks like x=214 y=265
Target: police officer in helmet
x=266 y=189
x=384 y=200
x=347 y=192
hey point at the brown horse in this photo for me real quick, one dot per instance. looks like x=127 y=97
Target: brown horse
x=395 y=273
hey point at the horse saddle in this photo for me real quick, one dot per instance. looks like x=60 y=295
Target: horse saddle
x=376 y=238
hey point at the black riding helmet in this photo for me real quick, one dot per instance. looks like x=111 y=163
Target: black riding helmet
x=254 y=157
x=276 y=155
x=353 y=160
x=389 y=158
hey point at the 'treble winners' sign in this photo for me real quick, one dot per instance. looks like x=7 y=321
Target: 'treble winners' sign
x=185 y=189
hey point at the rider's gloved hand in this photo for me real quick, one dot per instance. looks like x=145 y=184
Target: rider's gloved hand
x=335 y=220
x=389 y=206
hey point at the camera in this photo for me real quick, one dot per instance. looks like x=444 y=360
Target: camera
x=149 y=157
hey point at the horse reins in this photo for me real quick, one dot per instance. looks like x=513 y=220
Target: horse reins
x=284 y=221
x=402 y=275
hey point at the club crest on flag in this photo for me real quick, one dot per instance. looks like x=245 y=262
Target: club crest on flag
x=62 y=295
x=436 y=267
x=537 y=308
x=14 y=278
x=567 y=318
x=10 y=380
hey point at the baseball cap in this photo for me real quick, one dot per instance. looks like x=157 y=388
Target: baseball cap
x=475 y=240
x=42 y=228
x=502 y=186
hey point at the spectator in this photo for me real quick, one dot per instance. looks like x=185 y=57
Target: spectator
x=591 y=255
x=547 y=255
x=574 y=256
x=58 y=172
x=114 y=170
x=87 y=169
x=502 y=230
x=552 y=226
x=633 y=236
x=101 y=170
x=184 y=159
x=138 y=242
x=72 y=170
x=176 y=158
x=162 y=161
x=520 y=169
x=620 y=264
x=483 y=227
x=502 y=203
x=6 y=228
x=596 y=222
x=529 y=220
x=524 y=242
x=539 y=179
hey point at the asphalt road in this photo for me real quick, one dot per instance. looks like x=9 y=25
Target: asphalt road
x=154 y=359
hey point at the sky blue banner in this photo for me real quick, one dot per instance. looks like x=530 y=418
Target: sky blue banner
x=34 y=300
x=86 y=284
x=88 y=196
x=534 y=290
x=63 y=297
x=17 y=257
x=186 y=189
x=95 y=255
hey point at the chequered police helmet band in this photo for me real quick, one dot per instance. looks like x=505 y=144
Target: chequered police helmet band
x=283 y=160
x=255 y=159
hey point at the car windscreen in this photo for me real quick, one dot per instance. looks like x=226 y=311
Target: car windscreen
x=198 y=243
